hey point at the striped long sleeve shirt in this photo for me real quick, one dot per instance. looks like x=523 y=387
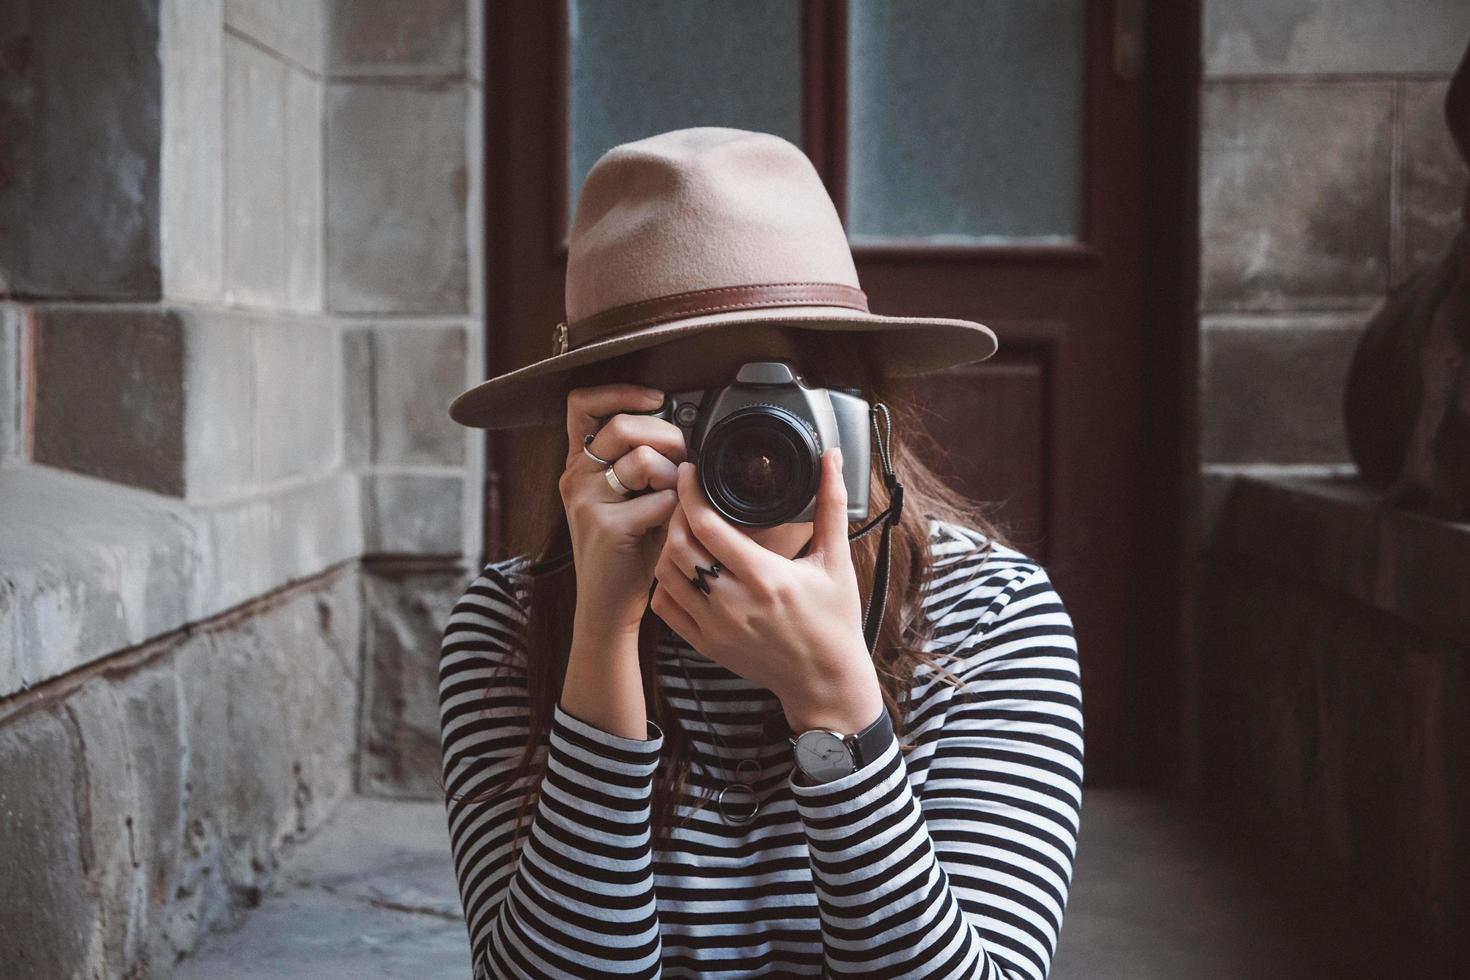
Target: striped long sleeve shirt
x=951 y=861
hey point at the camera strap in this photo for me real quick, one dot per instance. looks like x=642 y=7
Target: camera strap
x=878 y=597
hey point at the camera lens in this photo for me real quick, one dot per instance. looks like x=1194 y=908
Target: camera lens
x=760 y=466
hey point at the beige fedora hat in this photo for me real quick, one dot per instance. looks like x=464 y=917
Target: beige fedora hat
x=707 y=229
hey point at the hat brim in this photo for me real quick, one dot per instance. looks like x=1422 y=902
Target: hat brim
x=904 y=346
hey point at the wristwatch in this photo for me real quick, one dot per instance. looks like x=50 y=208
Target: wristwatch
x=823 y=755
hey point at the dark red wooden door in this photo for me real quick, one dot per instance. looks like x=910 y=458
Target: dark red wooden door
x=1035 y=220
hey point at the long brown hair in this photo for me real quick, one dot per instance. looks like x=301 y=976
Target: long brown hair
x=825 y=361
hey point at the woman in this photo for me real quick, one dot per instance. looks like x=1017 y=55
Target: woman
x=591 y=714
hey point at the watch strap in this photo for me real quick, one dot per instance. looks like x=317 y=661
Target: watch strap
x=869 y=743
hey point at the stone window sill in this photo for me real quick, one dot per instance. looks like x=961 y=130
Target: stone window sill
x=89 y=567
x=1336 y=532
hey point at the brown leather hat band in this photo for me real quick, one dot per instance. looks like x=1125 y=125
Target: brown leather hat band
x=718 y=299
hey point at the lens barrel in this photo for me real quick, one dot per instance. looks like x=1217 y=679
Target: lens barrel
x=760 y=465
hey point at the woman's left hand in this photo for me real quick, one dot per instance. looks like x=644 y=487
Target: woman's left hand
x=793 y=626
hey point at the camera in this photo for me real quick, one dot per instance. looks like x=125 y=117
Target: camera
x=757 y=443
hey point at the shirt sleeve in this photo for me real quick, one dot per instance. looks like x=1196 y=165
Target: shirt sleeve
x=578 y=899
x=970 y=877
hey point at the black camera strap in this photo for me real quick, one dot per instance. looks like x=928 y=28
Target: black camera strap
x=877 y=599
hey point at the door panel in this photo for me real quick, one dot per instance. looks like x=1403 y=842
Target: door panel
x=993 y=422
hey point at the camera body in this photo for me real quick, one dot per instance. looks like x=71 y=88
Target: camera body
x=757 y=443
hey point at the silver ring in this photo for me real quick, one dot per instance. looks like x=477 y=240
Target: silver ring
x=614 y=482
x=587 y=441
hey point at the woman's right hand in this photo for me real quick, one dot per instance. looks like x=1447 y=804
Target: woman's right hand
x=616 y=540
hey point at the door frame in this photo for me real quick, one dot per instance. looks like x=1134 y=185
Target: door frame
x=1170 y=66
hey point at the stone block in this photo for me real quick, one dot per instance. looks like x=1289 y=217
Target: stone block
x=150 y=703
x=412 y=513
x=1317 y=533
x=86 y=567
x=255 y=175
x=310 y=656
x=89 y=567
x=112 y=830
x=305 y=199
x=79 y=162
x=270 y=710
x=1294 y=195
x=1421 y=574
x=273 y=185
x=1336 y=533
x=1274 y=37
x=475 y=42
x=1432 y=178
x=295 y=29
x=192 y=182
x=263 y=401
x=258 y=543
x=224 y=852
x=109 y=394
x=12 y=381
x=405 y=613
x=378 y=37
x=1271 y=388
x=212 y=404
x=416 y=374
x=358 y=386
x=298 y=398
x=46 y=914
x=475 y=198
x=208 y=404
x=221 y=385
x=397 y=196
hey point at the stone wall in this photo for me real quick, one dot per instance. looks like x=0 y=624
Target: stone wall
x=240 y=282
x=404 y=256
x=1327 y=176
x=1320 y=697
x=145 y=799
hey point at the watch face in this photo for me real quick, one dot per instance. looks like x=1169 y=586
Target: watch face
x=823 y=756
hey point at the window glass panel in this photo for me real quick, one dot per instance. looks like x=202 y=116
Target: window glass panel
x=647 y=67
x=965 y=120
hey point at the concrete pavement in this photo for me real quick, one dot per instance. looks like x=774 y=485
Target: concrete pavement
x=1159 y=894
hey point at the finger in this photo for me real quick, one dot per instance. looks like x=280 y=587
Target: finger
x=645 y=468
x=829 y=526
x=678 y=620
x=683 y=547
x=587 y=407
x=635 y=515
x=624 y=432
x=690 y=597
x=730 y=547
